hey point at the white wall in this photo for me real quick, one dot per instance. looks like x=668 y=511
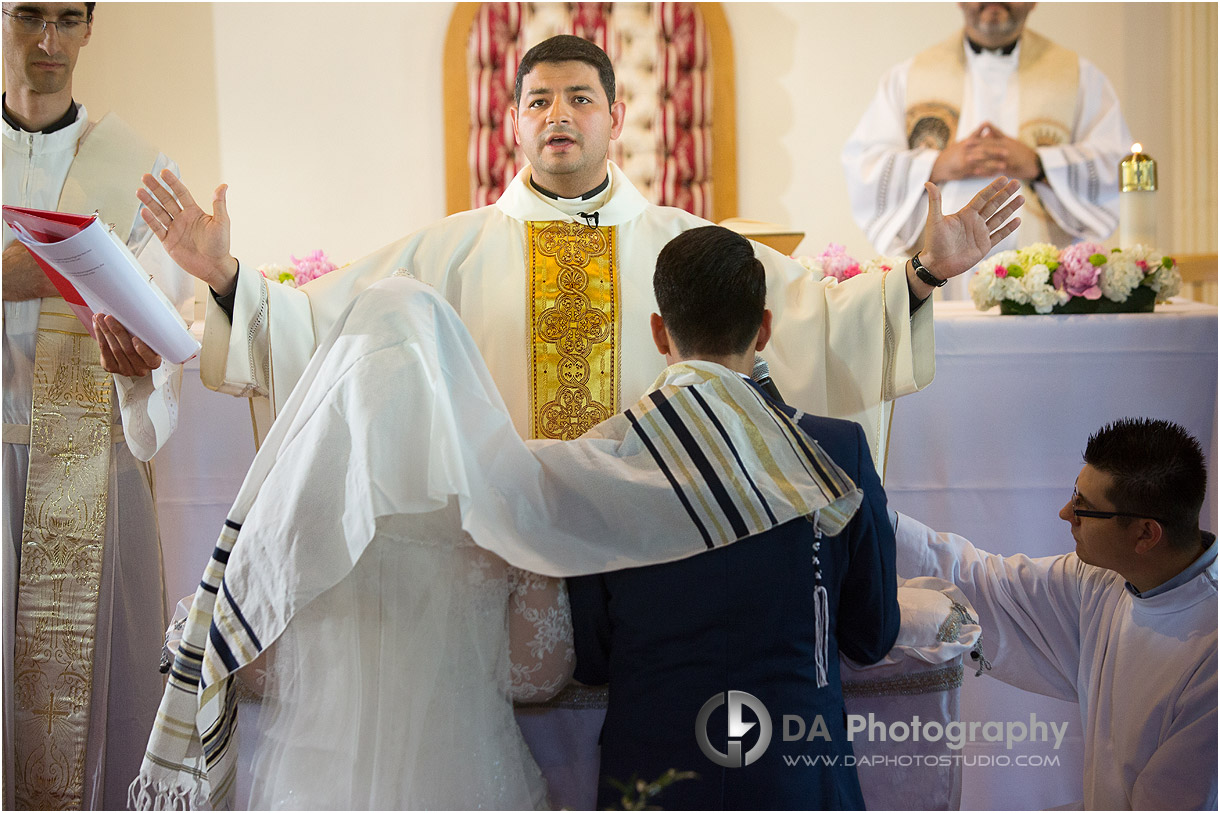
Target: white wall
x=326 y=118
x=152 y=64
x=330 y=132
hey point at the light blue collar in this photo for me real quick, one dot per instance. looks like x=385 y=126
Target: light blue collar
x=1194 y=569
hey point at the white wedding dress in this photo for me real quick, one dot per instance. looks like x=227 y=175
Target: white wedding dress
x=392 y=689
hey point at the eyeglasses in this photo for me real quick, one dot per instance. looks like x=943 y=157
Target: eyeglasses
x=29 y=26
x=1081 y=512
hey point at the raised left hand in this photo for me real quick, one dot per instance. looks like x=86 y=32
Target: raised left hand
x=123 y=353
x=953 y=244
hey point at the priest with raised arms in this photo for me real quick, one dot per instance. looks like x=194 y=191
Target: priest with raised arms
x=558 y=301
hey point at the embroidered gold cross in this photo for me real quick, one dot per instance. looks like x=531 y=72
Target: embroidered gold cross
x=50 y=712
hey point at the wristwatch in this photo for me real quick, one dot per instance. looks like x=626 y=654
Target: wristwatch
x=924 y=274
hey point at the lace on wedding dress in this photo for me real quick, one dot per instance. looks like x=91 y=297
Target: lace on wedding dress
x=542 y=656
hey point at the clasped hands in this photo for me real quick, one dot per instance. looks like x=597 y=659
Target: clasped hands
x=986 y=152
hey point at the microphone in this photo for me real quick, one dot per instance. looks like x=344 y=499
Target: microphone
x=762 y=377
x=591 y=218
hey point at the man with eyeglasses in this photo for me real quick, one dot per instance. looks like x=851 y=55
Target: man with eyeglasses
x=83 y=591
x=1125 y=625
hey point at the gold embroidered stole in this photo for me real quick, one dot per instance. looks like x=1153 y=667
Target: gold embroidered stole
x=64 y=531
x=1048 y=77
x=573 y=309
x=62 y=545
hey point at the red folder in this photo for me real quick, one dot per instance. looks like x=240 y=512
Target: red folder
x=51 y=227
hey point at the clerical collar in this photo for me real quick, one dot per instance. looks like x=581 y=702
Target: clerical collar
x=1005 y=51
x=1188 y=574
x=65 y=121
x=592 y=193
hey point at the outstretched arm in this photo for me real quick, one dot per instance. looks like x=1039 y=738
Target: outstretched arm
x=196 y=240
x=953 y=244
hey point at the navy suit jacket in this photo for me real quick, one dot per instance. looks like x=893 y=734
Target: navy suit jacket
x=669 y=637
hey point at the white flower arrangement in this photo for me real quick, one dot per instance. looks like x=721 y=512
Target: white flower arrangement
x=1081 y=278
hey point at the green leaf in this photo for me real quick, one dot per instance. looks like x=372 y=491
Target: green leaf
x=1098 y=259
x=1052 y=265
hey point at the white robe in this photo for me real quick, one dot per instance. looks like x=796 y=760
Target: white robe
x=885 y=177
x=838 y=349
x=1142 y=669
x=131 y=608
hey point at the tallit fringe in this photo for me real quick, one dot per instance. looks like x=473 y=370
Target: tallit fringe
x=821 y=606
x=147 y=793
x=821 y=621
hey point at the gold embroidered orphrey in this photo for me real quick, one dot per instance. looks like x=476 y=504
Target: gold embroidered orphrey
x=574 y=327
x=62 y=543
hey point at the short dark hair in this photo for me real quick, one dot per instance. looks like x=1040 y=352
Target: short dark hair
x=89 y=11
x=711 y=291
x=567 y=48
x=1157 y=469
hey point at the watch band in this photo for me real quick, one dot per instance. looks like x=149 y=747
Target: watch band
x=924 y=274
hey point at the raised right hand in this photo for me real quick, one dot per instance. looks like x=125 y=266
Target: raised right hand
x=195 y=240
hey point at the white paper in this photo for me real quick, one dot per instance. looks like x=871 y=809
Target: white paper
x=109 y=278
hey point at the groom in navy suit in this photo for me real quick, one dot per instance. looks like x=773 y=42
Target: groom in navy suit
x=679 y=643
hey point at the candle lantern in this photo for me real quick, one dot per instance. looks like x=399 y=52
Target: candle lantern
x=1137 y=199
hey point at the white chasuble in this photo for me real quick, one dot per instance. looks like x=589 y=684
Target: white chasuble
x=843 y=350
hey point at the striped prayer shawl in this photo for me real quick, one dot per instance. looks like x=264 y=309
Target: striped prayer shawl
x=702 y=461
x=686 y=429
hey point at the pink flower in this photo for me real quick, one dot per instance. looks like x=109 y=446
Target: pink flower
x=1142 y=265
x=836 y=263
x=1001 y=271
x=312 y=266
x=1076 y=273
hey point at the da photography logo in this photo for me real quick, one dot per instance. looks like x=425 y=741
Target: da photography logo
x=738 y=726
